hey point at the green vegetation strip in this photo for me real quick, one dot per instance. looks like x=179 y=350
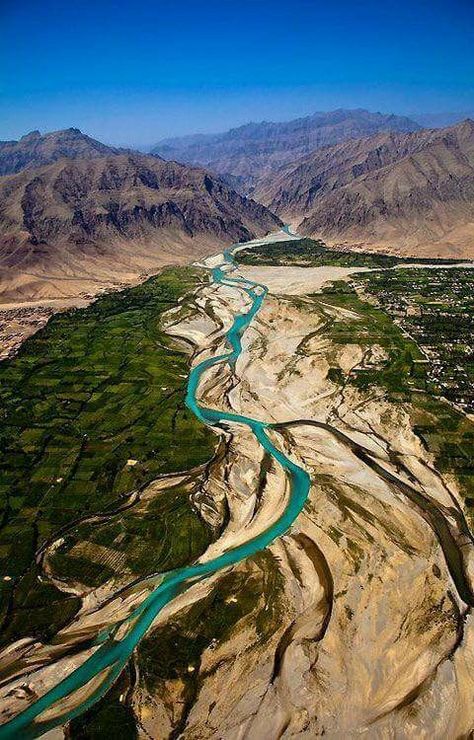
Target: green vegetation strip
x=314 y=253
x=436 y=307
x=96 y=388
x=161 y=534
x=447 y=433
x=249 y=597
x=402 y=370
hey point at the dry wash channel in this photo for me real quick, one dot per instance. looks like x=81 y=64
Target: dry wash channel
x=356 y=620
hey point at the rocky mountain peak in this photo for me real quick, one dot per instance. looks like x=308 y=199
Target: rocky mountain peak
x=31 y=136
x=36 y=149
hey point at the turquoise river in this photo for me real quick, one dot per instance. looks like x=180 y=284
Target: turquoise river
x=114 y=652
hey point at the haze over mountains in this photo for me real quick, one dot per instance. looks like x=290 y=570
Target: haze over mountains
x=89 y=214
x=409 y=192
x=76 y=214
x=246 y=153
x=441 y=120
x=352 y=177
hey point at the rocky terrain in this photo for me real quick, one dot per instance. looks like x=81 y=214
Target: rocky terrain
x=357 y=628
x=246 y=153
x=357 y=620
x=35 y=150
x=408 y=193
x=79 y=224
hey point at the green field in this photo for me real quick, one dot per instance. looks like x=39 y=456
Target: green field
x=249 y=596
x=95 y=388
x=400 y=373
x=436 y=307
x=447 y=433
x=314 y=253
x=152 y=536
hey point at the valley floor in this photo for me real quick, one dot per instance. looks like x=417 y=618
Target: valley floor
x=357 y=621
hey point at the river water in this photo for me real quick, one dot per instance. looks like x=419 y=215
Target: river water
x=114 y=652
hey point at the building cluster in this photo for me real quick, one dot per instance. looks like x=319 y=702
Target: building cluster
x=436 y=308
x=17 y=324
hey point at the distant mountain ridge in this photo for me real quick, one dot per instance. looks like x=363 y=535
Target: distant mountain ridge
x=105 y=215
x=441 y=120
x=406 y=192
x=250 y=151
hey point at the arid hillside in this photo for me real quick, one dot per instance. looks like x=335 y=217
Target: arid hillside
x=35 y=150
x=410 y=193
x=75 y=224
x=246 y=153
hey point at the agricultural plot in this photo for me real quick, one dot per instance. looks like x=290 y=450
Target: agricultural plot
x=92 y=409
x=436 y=307
x=314 y=253
x=403 y=373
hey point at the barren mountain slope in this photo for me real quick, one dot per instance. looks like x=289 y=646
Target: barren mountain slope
x=293 y=190
x=77 y=224
x=247 y=152
x=411 y=193
x=355 y=622
x=35 y=150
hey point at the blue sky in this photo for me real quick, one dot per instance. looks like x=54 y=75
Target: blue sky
x=134 y=71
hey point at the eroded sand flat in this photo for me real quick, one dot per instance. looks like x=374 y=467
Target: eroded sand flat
x=296 y=280
x=356 y=620
x=363 y=618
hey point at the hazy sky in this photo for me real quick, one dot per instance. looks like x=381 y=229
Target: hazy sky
x=136 y=71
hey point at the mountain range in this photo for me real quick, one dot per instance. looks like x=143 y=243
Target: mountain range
x=244 y=154
x=77 y=214
x=411 y=193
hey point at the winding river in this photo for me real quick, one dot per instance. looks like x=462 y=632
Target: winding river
x=111 y=657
